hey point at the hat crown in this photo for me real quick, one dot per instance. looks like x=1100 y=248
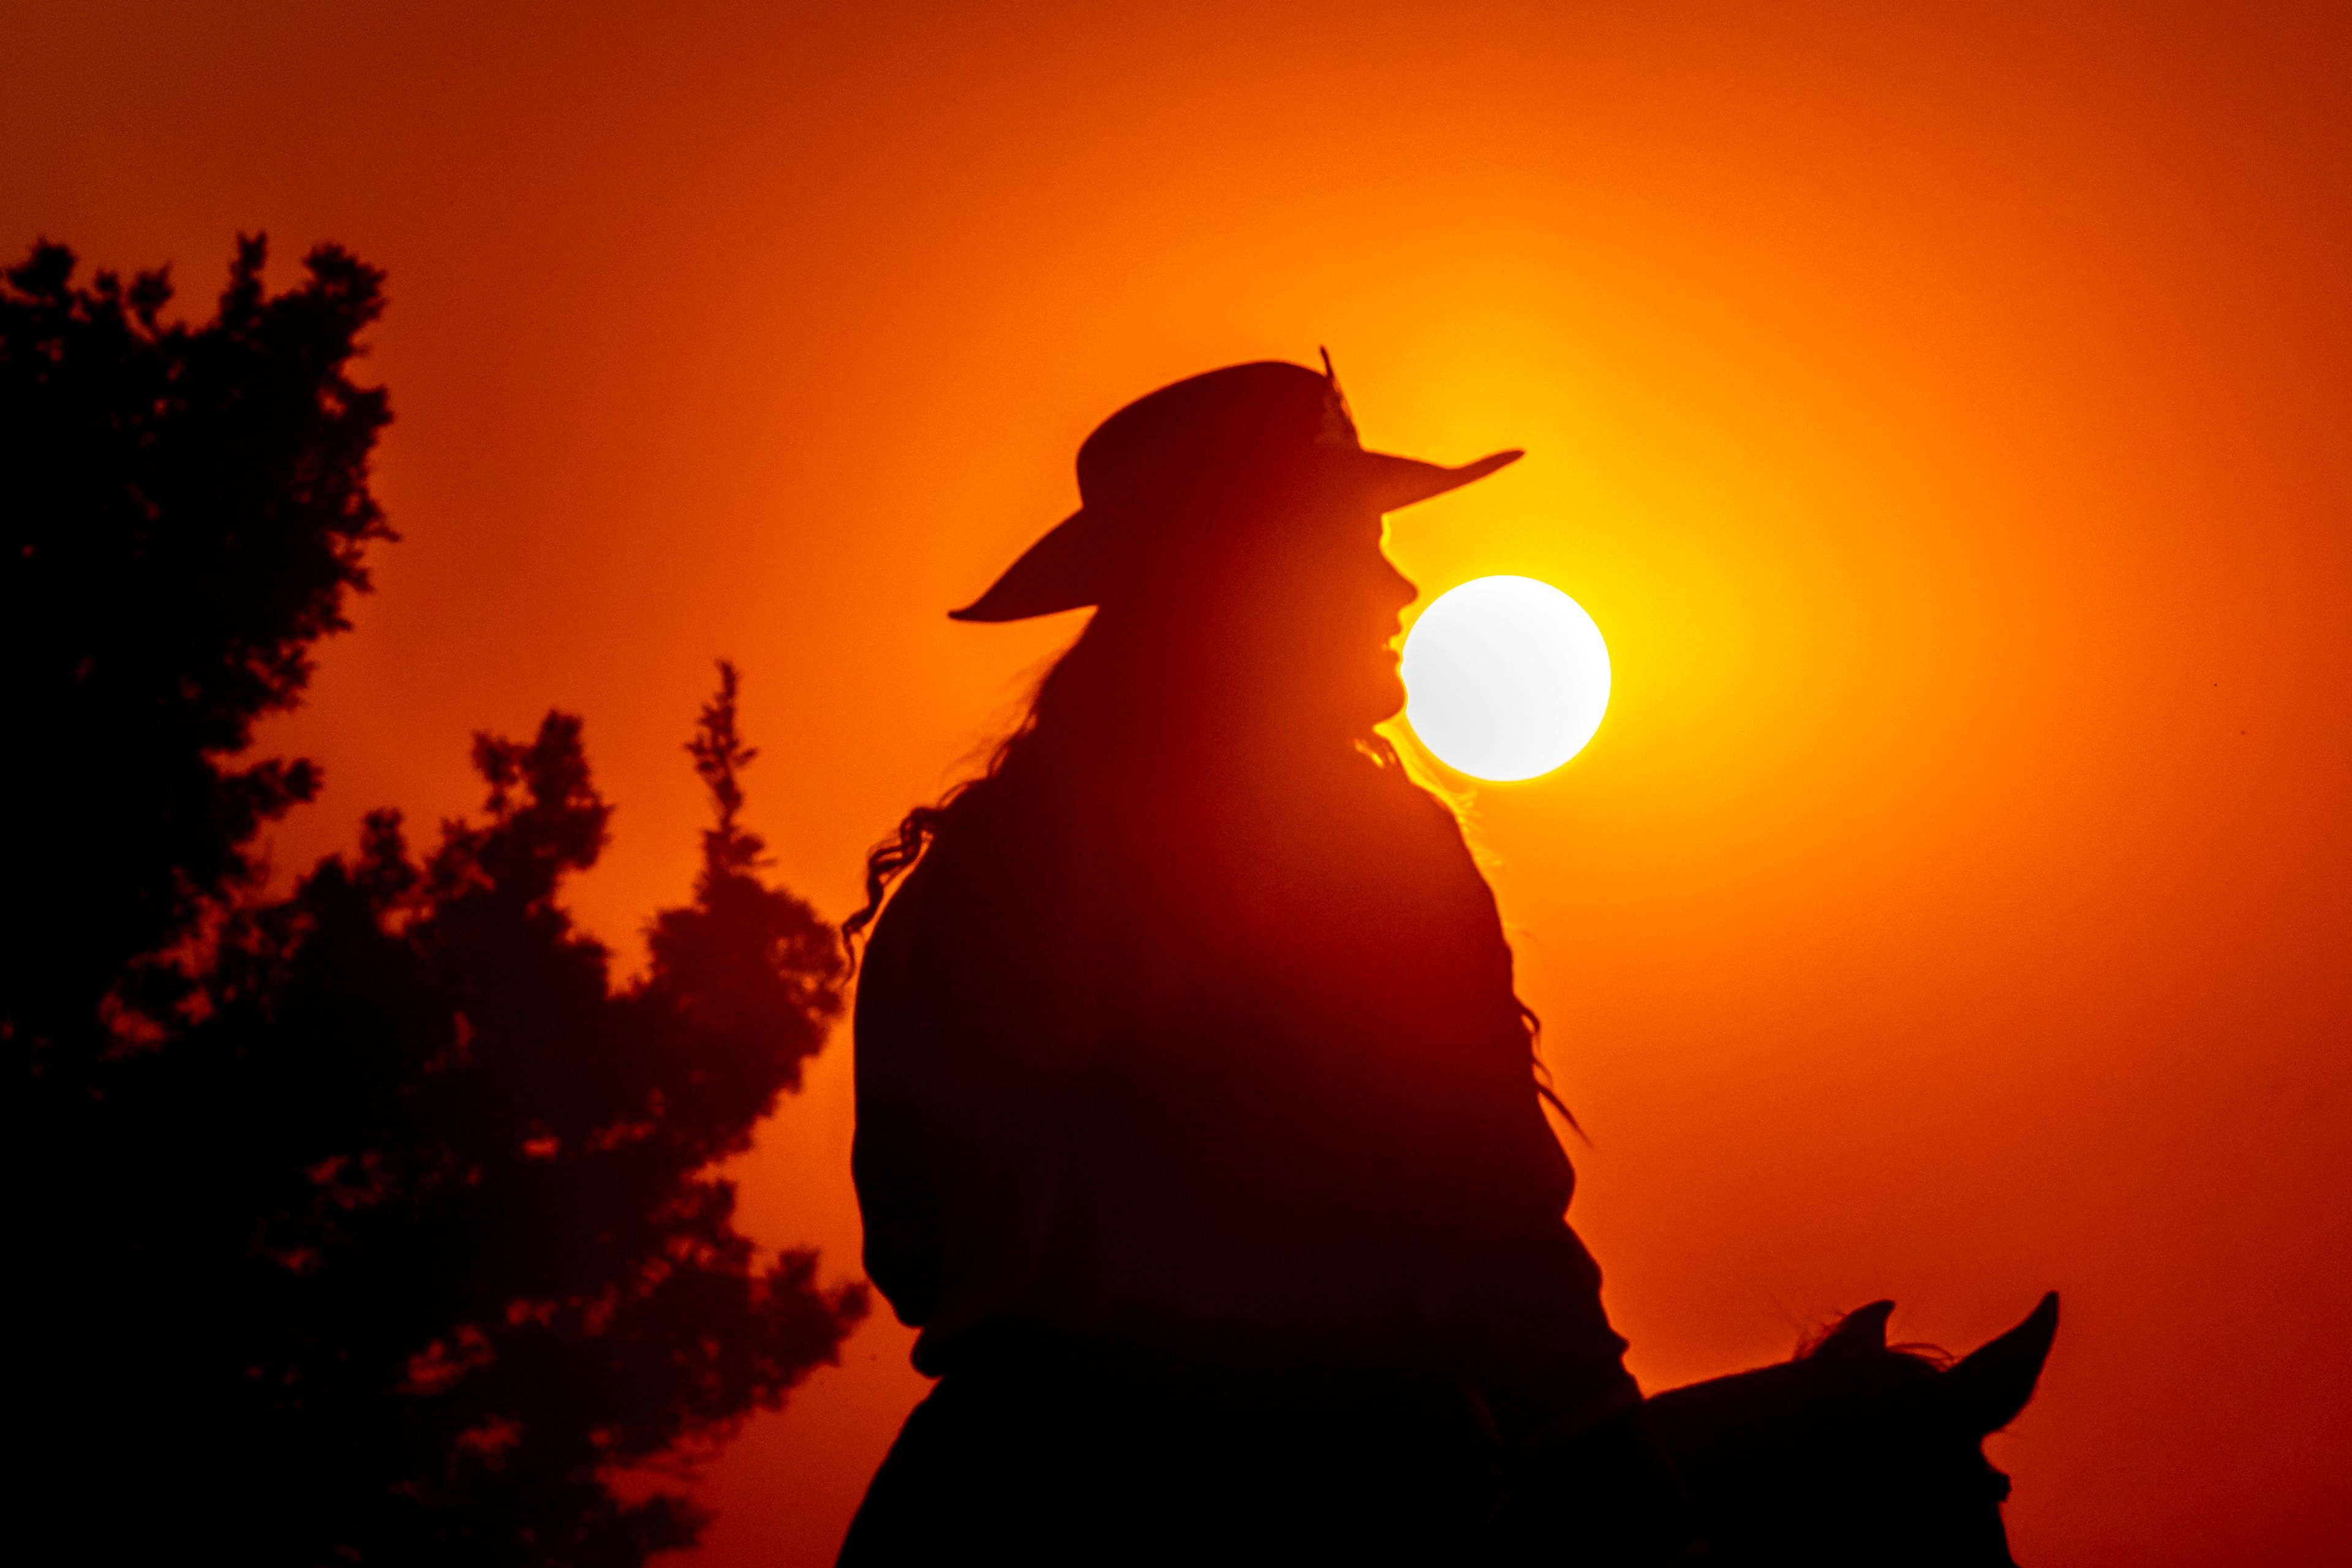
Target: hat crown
x=1166 y=470
x=1219 y=427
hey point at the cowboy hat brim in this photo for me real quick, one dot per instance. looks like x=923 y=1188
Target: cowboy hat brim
x=1068 y=569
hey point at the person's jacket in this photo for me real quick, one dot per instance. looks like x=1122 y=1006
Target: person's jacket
x=1230 y=1072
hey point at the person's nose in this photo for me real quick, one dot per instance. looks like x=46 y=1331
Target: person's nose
x=1401 y=589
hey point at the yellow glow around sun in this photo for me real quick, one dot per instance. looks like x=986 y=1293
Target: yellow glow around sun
x=1505 y=678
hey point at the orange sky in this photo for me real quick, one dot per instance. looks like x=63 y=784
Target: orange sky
x=1945 y=411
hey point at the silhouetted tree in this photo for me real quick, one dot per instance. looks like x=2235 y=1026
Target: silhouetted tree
x=184 y=509
x=477 y=1266
x=375 y=1223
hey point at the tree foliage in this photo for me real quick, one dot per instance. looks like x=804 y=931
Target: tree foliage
x=375 y=1223
x=185 y=508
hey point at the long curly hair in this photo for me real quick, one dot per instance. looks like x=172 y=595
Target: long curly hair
x=1072 y=697
x=1101 y=686
x=1115 y=684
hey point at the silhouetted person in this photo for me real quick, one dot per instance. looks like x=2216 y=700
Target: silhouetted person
x=1198 y=1124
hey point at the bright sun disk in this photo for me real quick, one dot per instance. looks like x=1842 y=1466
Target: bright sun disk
x=1505 y=678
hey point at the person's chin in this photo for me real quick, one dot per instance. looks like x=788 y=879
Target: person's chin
x=1383 y=700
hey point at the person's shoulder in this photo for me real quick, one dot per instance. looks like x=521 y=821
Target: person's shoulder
x=1409 y=889
x=998 y=863
x=1424 y=819
x=1414 y=836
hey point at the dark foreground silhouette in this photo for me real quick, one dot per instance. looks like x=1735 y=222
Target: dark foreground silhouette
x=1852 y=1455
x=1198 y=1127
x=373 y=1223
x=1855 y=1455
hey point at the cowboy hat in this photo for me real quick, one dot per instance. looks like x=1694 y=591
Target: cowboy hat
x=1170 y=457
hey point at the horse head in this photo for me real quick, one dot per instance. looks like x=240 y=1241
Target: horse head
x=1856 y=1453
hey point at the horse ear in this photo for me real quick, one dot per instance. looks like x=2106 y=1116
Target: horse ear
x=1993 y=1383
x=1861 y=1332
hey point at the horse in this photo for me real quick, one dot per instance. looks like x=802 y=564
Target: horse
x=1856 y=1453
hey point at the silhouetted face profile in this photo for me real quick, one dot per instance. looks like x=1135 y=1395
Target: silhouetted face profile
x=1289 y=636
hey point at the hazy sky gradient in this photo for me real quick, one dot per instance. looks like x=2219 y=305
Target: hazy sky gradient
x=1945 y=411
